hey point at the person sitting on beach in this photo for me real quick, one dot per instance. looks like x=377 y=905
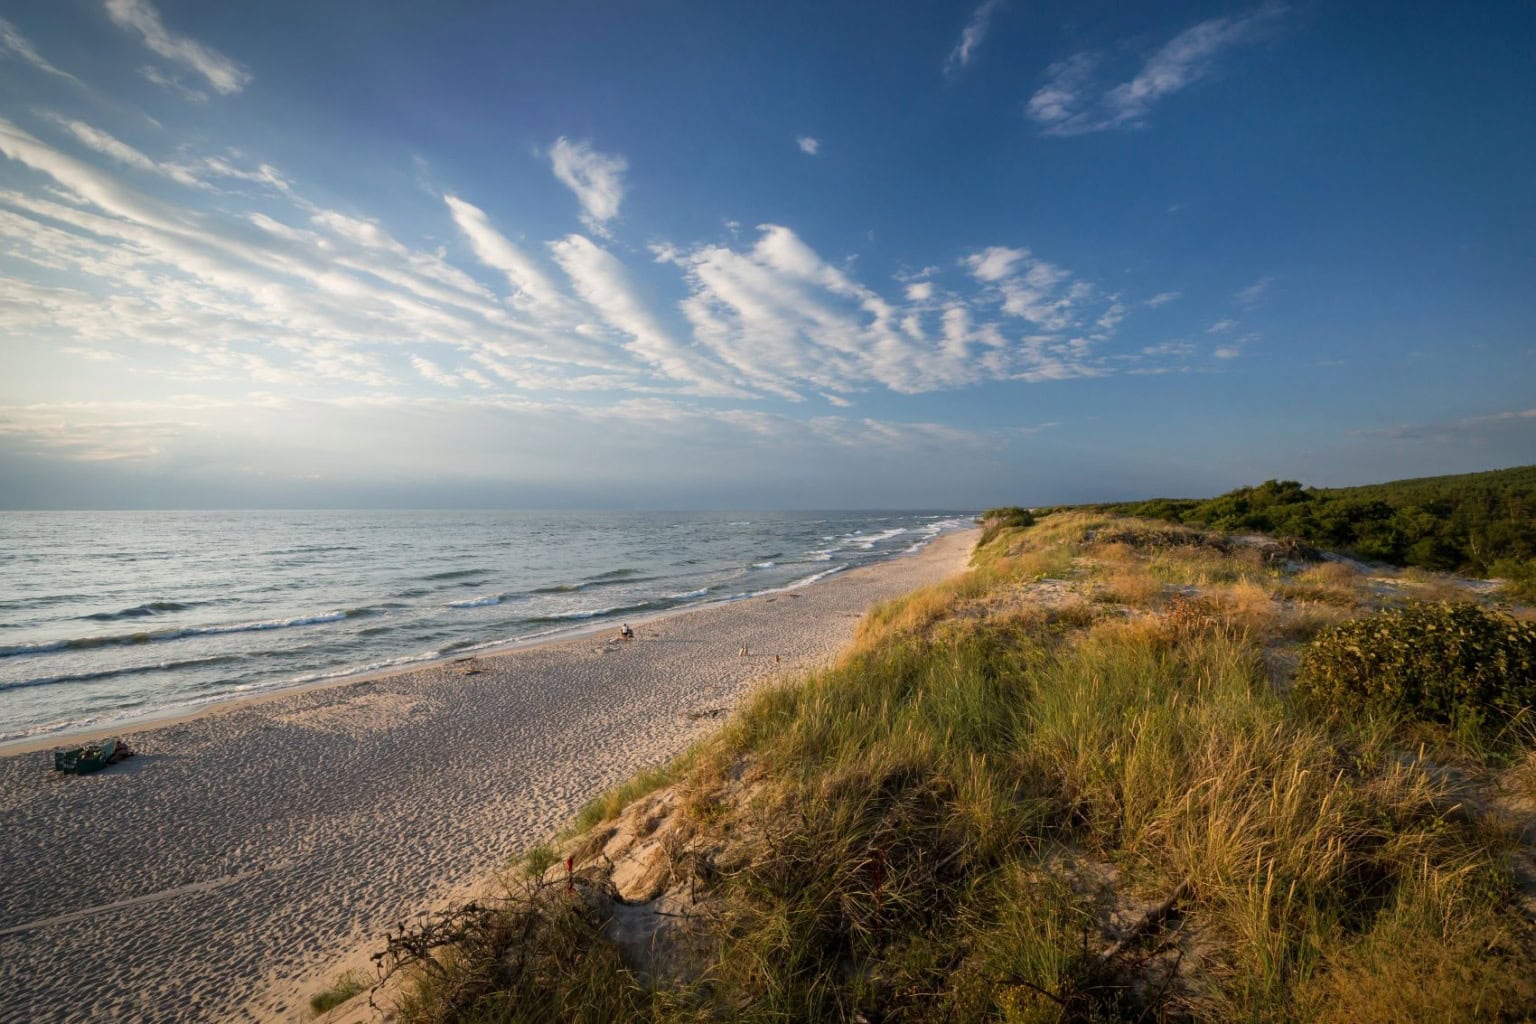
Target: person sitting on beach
x=625 y=633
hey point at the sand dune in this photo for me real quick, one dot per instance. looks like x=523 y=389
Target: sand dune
x=221 y=873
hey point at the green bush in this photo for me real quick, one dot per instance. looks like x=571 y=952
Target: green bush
x=1452 y=664
x=995 y=520
x=1519 y=578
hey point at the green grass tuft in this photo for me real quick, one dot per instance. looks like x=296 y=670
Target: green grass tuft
x=342 y=989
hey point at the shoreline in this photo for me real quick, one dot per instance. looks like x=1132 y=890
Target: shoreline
x=230 y=867
x=175 y=714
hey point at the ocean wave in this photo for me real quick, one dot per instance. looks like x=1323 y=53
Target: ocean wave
x=42 y=601
x=110 y=673
x=309 y=549
x=808 y=580
x=557 y=588
x=141 y=610
x=690 y=595
x=152 y=636
x=479 y=602
x=457 y=574
x=613 y=574
x=764 y=565
x=593 y=613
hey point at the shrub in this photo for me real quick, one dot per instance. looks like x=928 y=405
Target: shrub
x=1452 y=664
x=1519 y=578
x=996 y=520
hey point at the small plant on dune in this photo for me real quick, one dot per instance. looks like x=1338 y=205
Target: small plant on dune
x=537 y=860
x=1456 y=665
x=342 y=989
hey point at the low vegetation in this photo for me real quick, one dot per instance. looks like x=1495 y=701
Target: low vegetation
x=342 y=989
x=1478 y=523
x=1452 y=664
x=1082 y=782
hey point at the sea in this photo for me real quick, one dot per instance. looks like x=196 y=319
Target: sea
x=109 y=617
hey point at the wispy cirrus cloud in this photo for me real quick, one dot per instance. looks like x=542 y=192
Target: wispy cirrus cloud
x=269 y=288
x=223 y=74
x=13 y=42
x=1077 y=98
x=596 y=178
x=1254 y=293
x=1475 y=429
x=971 y=36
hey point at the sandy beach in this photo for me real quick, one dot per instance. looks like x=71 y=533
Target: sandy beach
x=231 y=867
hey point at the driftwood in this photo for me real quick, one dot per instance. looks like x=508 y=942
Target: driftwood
x=1150 y=920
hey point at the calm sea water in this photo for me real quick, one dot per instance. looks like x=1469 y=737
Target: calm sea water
x=115 y=615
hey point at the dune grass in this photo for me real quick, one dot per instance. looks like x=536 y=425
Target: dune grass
x=338 y=992
x=957 y=821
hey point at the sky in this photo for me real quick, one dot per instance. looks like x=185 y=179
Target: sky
x=758 y=255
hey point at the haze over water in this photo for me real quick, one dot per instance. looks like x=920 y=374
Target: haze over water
x=115 y=615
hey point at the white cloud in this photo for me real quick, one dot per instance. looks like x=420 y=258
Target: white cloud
x=434 y=373
x=14 y=42
x=602 y=281
x=125 y=154
x=1163 y=298
x=808 y=145
x=534 y=288
x=1075 y=100
x=275 y=290
x=1221 y=326
x=1068 y=83
x=1111 y=317
x=173 y=83
x=596 y=178
x=223 y=74
x=1253 y=293
x=1169 y=348
x=994 y=262
x=1234 y=348
x=971 y=36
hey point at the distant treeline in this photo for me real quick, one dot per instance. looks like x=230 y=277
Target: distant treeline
x=1481 y=523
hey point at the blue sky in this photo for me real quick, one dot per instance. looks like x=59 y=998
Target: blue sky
x=770 y=255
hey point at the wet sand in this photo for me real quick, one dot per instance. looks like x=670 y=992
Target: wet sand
x=231 y=867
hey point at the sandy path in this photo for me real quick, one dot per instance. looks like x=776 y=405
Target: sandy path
x=268 y=838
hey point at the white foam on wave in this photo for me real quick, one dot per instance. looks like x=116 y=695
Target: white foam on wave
x=476 y=602
x=868 y=542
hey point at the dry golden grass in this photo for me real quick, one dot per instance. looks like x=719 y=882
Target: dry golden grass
x=1248 y=607
x=1137 y=589
x=1330 y=583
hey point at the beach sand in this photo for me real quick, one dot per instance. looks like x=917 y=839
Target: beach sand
x=247 y=855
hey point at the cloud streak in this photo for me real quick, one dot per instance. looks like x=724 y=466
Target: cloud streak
x=12 y=41
x=223 y=74
x=971 y=36
x=1076 y=99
